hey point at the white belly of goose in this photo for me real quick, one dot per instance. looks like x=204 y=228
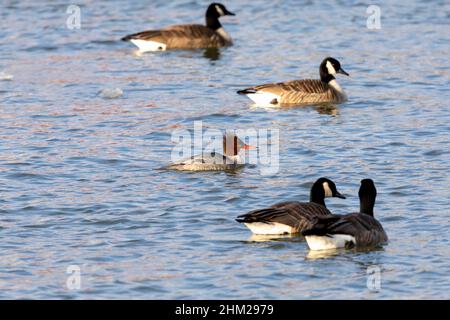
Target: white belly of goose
x=147 y=46
x=334 y=241
x=264 y=98
x=269 y=228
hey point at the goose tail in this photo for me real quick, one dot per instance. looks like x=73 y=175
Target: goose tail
x=246 y=91
x=127 y=38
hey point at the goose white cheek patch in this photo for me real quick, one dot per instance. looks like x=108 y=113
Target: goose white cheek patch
x=330 y=68
x=327 y=190
x=220 y=11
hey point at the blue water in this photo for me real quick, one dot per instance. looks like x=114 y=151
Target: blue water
x=79 y=183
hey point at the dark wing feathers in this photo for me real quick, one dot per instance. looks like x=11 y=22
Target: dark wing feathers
x=260 y=215
x=306 y=86
x=145 y=35
x=294 y=214
x=321 y=226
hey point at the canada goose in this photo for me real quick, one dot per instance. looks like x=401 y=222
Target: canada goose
x=355 y=229
x=187 y=36
x=214 y=161
x=302 y=91
x=292 y=216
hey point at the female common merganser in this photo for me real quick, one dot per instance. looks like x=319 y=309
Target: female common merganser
x=213 y=161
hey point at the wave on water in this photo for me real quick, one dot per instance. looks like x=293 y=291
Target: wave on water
x=6 y=76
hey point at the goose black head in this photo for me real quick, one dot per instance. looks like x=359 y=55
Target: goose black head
x=324 y=188
x=214 y=12
x=329 y=68
x=367 y=195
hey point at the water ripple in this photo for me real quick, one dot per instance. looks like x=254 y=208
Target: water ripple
x=78 y=178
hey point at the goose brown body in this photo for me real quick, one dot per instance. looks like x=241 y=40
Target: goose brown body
x=299 y=91
x=308 y=91
x=183 y=37
x=186 y=36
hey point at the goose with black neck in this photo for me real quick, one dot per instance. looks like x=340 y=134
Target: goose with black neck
x=186 y=36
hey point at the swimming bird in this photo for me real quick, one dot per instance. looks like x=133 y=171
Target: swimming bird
x=325 y=90
x=214 y=161
x=352 y=230
x=186 y=36
x=292 y=216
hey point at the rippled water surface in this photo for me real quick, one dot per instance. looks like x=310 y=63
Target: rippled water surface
x=79 y=183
